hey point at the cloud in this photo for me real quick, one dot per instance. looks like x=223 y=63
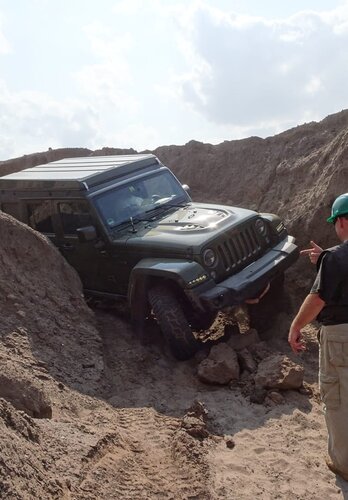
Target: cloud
x=33 y=121
x=135 y=135
x=247 y=71
x=108 y=80
x=140 y=73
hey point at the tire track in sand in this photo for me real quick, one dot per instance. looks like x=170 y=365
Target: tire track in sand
x=151 y=456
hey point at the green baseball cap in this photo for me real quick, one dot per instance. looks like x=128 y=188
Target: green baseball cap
x=339 y=207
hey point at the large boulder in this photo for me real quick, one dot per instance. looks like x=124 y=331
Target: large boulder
x=220 y=367
x=246 y=360
x=279 y=372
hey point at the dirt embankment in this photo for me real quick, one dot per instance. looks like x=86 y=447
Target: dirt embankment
x=86 y=412
x=65 y=431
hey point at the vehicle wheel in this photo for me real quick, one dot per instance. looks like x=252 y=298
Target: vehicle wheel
x=263 y=314
x=173 y=323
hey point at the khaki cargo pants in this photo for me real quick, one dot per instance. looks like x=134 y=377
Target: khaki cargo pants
x=333 y=384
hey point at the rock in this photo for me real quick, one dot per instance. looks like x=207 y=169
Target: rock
x=240 y=341
x=220 y=367
x=198 y=410
x=279 y=372
x=193 y=421
x=200 y=355
x=230 y=444
x=246 y=360
x=195 y=427
x=276 y=397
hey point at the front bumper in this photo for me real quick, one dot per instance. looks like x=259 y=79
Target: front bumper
x=251 y=280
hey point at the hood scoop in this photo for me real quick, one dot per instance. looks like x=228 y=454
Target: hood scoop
x=189 y=227
x=191 y=219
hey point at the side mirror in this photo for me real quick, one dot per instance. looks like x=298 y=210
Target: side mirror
x=186 y=188
x=87 y=233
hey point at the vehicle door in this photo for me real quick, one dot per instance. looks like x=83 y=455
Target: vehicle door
x=82 y=256
x=93 y=260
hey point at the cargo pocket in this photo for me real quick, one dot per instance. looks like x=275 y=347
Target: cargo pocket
x=338 y=353
x=329 y=391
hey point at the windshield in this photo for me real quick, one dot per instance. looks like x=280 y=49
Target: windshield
x=140 y=197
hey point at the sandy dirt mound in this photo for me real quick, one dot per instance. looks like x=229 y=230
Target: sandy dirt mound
x=46 y=314
x=22 y=473
x=47 y=339
x=60 y=434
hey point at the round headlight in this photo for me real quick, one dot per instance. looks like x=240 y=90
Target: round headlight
x=261 y=227
x=209 y=257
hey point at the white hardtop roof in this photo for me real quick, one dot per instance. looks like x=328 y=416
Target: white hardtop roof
x=89 y=170
x=77 y=168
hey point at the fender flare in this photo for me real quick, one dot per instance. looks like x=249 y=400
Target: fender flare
x=182 y=272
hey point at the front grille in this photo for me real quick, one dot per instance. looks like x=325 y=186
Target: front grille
x=240 y=248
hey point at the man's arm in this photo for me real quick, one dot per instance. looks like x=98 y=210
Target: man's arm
x=309 y=310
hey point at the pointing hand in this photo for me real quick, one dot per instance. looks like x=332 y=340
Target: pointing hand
x=313 y=252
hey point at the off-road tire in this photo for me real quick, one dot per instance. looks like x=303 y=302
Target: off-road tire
x=173 y=323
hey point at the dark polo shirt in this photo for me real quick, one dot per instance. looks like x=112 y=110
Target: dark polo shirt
x=331 y=284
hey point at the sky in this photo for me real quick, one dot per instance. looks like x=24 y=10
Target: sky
x=149 y=73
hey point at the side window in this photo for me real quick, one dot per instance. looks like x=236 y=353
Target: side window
x=40 y=216
x=74 y=214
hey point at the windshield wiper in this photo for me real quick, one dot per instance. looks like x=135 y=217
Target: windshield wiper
x=167 y=206
x=131 y=221
x=177 y=205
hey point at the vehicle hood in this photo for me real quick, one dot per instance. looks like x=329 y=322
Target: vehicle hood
x=194 y=225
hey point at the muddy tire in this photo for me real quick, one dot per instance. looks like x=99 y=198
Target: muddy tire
x=173 y=323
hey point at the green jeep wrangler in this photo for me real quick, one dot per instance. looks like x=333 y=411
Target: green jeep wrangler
x=131 y=231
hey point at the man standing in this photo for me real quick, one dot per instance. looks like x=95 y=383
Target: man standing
x=328 y=302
